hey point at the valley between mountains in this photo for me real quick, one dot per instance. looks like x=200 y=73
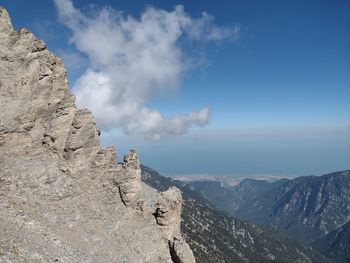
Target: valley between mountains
x=217 y=234
x=310 y=210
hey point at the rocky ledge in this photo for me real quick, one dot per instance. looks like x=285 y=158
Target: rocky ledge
x=62 y=197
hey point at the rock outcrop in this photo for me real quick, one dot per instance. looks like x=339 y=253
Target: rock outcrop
x=128 y=179
x=168 y=212
x=62 y=197
x=168 y=215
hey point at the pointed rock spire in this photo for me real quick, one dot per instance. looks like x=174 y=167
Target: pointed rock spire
x=128 y=179
x=5 y=21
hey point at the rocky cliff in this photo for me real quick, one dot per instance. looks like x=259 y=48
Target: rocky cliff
x=62 y=197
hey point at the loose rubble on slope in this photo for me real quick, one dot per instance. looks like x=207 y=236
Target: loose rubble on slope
x=62 y=197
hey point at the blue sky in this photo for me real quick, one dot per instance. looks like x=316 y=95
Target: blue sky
x=278 y=92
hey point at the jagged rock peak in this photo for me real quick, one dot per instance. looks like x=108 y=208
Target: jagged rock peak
x=131 y=160
x=128 y=179
x=5 y=21
x=59 y=201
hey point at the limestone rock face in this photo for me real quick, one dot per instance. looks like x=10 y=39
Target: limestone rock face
x=168 y=216
x=181 y=251
x=168 y=212
x=5 y=21
x=128 y=179
x=62 y=197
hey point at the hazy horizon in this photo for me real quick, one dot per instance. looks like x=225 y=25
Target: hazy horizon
x=278 y=152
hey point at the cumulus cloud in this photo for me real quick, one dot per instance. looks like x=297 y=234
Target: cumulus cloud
x=131 y=60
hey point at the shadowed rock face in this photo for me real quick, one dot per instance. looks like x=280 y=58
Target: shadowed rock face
x=62 y=197
x=336 y=244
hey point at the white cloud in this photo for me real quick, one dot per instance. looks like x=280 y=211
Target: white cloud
x=132 y=59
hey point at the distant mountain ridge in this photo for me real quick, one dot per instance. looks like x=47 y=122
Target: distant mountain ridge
x=216 y=237
x=305 y=208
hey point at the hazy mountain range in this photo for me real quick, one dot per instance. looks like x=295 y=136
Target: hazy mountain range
x=306 y=208
x=217 y=237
